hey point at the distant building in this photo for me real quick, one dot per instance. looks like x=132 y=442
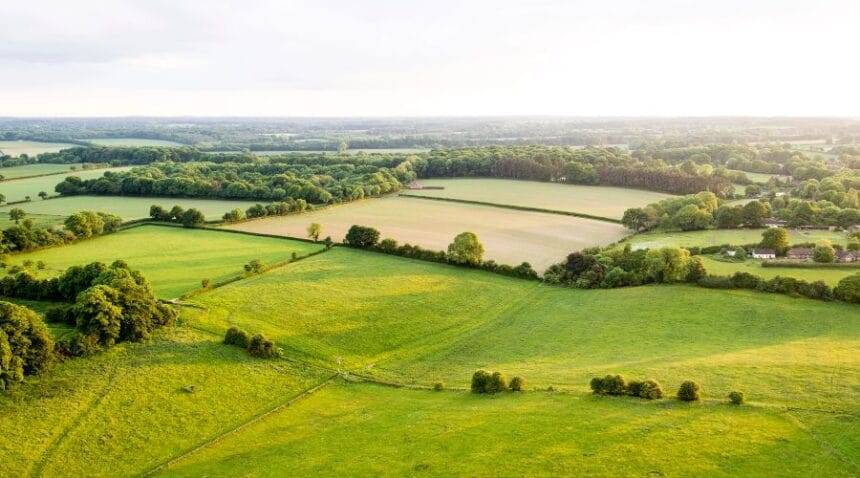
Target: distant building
x=774 y=222
x=731 y=252
x=800 y=253
x=764 y=254
x=846 y=256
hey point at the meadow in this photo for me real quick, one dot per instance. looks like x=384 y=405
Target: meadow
x=718 y=237
x=760 y=177
x=601 y=201
x=127 y=207
x=509 y=236
x=187 y=405
x=131 y=142
x=19 y=189
x=16 y=148
x=831 y=276
x=35 y=170
x=175 y=260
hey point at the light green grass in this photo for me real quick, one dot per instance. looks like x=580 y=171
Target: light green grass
x=124 y=411
x=39 y=220
x=831 y=276
x=31 y=148
x=508 y=236
x=17 y=190
x=174 y=260
x=127 y=207
x=131 y=142
x=594 y=200
x=718 y=237
x=34 y=170
x=759 y=177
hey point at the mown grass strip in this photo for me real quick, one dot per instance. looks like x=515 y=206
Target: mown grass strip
x=515 y=207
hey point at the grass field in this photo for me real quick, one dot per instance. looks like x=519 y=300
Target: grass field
x=509 y=236
x=831 y=276
x=175 y=260
x=31 y=148
x=760 y=177
x=35 y=170
x=594 y=200
x=124 y=412
x=127 y=207
x=718 y=237
x=131 y=142
x=17 y=190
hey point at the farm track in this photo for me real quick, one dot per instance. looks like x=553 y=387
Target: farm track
x=39 y=467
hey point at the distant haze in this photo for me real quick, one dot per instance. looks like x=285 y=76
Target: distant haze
x=410 y=58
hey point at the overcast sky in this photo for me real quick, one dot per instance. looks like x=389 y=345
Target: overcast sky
x=439 y=57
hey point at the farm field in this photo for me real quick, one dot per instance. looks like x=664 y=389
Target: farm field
x=831 y=276
x=127 y=207
x=18 y=189
x=760 y=177
x=16 y=148
x=594 y=200
x=131 y=142
x=174 y=259
x=124 y=412
x=35 y=170
x=509 y=236
x=718 y=237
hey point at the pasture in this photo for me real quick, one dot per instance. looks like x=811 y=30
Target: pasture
x=127 y=207
x=174 y=259
x=601 y=201
x=128 y=410
x=15 y=172
x=509 y=236
x=131 y=142
x=718 y=237
x=16 y=148
x=19 y=189
x=760 y=177
x=831 y=275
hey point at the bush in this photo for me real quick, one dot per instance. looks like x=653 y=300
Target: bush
x=650 y=390
x=634 y=388
x=736 y=398
x=238 y=337
x=260 y=346
x=517 y=384
x=361 y=236
x=689 y=391
x=609 y=385
x=479 y=381
x=204 y=283
x=438 y=386
x=256 y=266
x=848 y=289
x=485 y=382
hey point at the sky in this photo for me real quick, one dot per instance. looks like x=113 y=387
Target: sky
x=429 y=58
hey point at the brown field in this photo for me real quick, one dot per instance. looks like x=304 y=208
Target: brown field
x=509 y=236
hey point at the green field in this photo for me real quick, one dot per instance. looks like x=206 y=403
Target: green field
x=509 y=236
x=31 y=148
x=718 y=237
x=131 y=142
x=349 y=151
x=759 y=177
x=18 y=189
x=128 y=411
x=35 y=170
x=594 y=200
x=831 y=276
x=127 y=207
x=175 y=260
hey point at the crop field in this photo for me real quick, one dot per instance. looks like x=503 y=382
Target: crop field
x=593 y=200
x=129 y=410
x=127 y=207
x=509 y=236
x=831 y=275
x=174 y=259
x=31 y=148
x=718 y=237
x=19 y=189
x=35 y=170
x=131 y=142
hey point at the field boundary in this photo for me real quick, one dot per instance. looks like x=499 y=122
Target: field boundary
x=254 y=419
x=42 y=175
x=515 y=207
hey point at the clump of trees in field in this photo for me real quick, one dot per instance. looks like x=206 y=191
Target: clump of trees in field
x=187 y=217
x=26 y=346
x=257 y=345
x=25 y=236
x=495 y=382
x=616 y=385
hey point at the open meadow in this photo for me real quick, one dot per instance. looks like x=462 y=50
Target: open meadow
x=38 y=169
x=600 y=201
x=131 y=142
x=126 y=207
x=735 y=237
x=19 y=189
x=16 y=148
x=830 y=275
x=174 y=259
x=374 y=317
x=509 y=236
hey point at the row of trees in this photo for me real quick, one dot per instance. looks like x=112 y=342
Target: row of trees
x=25 y=235
x=257 y=345
x=484 y=382
x=282 y=208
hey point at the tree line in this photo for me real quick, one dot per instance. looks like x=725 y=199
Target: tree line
x=25 y=236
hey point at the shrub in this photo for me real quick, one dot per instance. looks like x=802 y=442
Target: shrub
x=361 y=236
x=466 y=249
x=498 y=383
x=614 y=385
x=689 y=391
x=256 y=266
x=650 y=390
x=260 y=346
x=596 y=385
x=479 y=381
x=236 y=336
x=736 y=398
x=204 y=283
x=517 y=384
x=438 y=386
x=485 y=382
x=634 y=388
x=848 y=289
